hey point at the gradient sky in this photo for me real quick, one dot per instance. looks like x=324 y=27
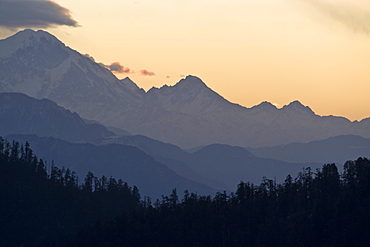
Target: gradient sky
x=314 y=51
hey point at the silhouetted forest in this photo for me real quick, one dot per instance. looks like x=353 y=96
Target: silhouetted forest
x=317 y=208
x=44 y=209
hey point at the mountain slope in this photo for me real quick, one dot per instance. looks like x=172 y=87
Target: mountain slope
x=21 y=114
x=119 y=161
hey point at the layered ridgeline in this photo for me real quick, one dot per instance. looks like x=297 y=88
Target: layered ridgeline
x=155 y=169
x=187 y=114
x=21 y=114
x=219 y=166
x=118 y=161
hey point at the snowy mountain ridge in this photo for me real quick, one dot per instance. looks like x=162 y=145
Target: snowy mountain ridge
x=189 y=96
x=187 y=114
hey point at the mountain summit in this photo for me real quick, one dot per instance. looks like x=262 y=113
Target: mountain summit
x=24 y=39
x=192 y=82
x=39 y=65
x=187 y=114
x=298 y=108
x=190 y=96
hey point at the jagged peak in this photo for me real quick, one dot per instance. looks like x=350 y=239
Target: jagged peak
x=189 y=82
x=127 y=80
x=296 y=105
x=131 y=84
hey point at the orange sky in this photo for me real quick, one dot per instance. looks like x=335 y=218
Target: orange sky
x=314 y=51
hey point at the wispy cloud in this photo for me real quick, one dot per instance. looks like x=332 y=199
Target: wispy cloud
x=145 y=72
x=351 y=14
x=175 y=76
x=118 y=68
x=16 y=14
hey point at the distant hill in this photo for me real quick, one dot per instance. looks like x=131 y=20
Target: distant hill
x=21 y=114
x=172 y=156
x=231 y=165
x=119 y=161
x=217 y=165
x=337 y=149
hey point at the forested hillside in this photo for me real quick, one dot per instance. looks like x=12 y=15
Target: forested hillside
x=51 y=208
x=41 y=208
x=321 y=208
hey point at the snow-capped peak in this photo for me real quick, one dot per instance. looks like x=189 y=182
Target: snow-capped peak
x=23 y=39
x=36 y=35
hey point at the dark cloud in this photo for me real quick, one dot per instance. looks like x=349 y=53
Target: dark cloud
x=145 y=72
x=34 y=14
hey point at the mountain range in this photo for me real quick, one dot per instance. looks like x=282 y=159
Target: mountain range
x=61 y=102
x=188 y=114
x=59 y=136
x=154 y=166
